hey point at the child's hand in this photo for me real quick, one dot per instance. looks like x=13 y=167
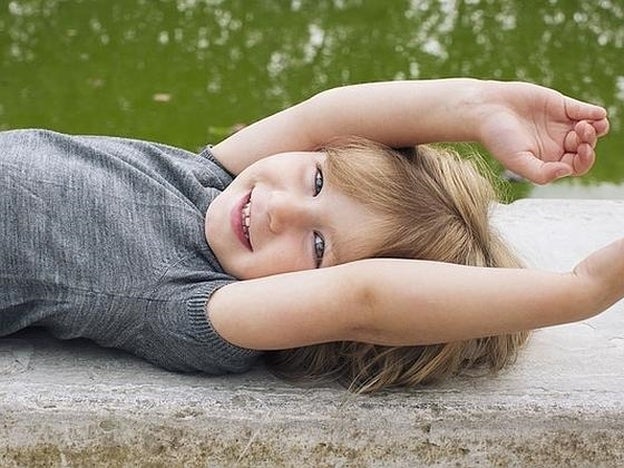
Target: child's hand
x=539 y=133
x=602 y=275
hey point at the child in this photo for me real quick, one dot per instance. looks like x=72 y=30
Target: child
x=137 y=245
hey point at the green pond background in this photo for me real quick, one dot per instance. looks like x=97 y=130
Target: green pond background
x=184 y=72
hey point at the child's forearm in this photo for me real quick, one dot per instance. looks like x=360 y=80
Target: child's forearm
x=411 y=302
x=399 y=113
x=534 y=131
x=426 y=302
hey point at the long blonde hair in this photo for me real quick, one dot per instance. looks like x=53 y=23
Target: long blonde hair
x=433 y=206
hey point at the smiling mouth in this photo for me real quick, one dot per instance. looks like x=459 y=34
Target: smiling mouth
x=246 y=220
x=241 y=220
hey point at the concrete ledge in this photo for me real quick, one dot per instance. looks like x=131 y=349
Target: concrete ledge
x=74 y=404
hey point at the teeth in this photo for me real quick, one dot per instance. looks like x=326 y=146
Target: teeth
x=245 y=214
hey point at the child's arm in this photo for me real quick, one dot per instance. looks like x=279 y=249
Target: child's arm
x=534 y=131
x=411 y=302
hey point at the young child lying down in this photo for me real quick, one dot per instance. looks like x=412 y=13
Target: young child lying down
x=327 y=237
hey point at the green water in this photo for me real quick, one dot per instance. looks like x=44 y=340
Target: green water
x=185 y=71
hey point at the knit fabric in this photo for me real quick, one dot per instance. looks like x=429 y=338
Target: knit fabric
x=103 y=238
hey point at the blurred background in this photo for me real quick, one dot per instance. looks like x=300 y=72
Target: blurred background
x=187 y=72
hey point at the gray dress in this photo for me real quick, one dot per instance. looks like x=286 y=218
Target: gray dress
x=103 y=238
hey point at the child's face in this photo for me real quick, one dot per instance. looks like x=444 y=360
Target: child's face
x=282 y=214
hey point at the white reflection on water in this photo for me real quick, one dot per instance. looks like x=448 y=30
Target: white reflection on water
x=186 y=5
x=616 y=107
x=435 y=20
x=554 y=18
x=507 y=18
x=469 y=37
x=23 y=8
x=619 y=86
x=277 y=63
x=433 y=47
x=163 y=37
x=314 y=44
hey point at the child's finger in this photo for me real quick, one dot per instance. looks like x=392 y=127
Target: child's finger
x=586 y=133
x=578 y=110
x=557 y=170
x=538 y=171
x=568 y=159
x=584 y=159
x=571 y=142
x=601 y=126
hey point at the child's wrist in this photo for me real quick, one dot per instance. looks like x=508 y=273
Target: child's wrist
x=588 y=294
x=481 y=96
x=494 y=99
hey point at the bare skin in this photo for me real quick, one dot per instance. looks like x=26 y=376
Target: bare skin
x=535 y=132
x=541 y=135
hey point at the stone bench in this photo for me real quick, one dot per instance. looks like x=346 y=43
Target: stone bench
x=74 y=404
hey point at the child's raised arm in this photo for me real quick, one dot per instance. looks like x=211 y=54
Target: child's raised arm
x=411 y=302
x=534 y=131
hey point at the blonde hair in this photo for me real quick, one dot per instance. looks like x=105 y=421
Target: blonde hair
x=433 y=206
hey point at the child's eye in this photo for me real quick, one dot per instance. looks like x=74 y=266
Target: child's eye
x=319 y=249
x=318 y=181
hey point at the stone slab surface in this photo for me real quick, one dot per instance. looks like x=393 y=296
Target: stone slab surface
x=561 y=404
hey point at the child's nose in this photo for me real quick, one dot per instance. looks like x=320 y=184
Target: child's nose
x=287 y=211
